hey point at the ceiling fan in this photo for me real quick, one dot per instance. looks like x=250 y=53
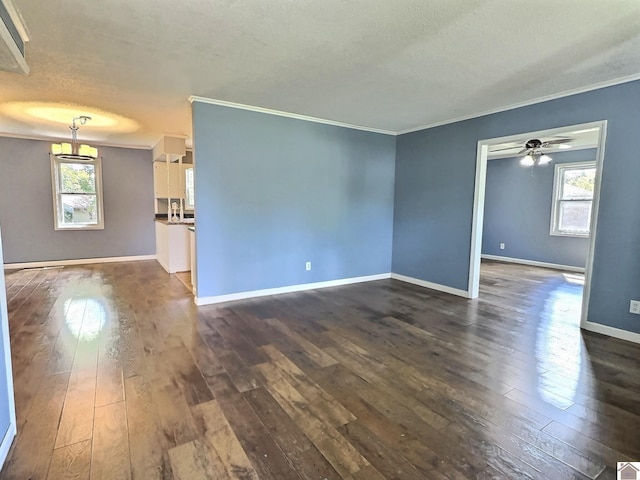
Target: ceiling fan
x=532 y=150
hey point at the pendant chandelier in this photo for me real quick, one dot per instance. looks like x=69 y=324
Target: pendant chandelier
x=75 y=150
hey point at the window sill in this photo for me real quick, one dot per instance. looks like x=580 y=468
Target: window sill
x=569 y=235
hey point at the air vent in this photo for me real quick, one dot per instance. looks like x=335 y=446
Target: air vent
x=13 y=36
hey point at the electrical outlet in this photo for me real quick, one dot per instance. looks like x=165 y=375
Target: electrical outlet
x=634 y=307
x=308 y=266
x=502 y=246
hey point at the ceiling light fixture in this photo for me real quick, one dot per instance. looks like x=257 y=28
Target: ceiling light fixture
x=534 y=158
x=75 y=150
x=544 y=159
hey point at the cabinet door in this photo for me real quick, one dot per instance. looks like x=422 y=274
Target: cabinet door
x=171 y=185
x=160 y=180
x=176 y=181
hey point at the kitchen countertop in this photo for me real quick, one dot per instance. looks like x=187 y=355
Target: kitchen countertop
x=167 y=222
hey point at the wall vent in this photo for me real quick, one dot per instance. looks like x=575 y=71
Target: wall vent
x=13 y=37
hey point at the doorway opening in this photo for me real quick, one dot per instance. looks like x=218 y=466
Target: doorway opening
x=581 y=136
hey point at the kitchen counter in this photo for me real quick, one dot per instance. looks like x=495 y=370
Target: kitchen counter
x=173 y=246
x=186 y=221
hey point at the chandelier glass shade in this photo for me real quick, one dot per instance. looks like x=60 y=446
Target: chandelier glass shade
x=75 y=150
x=533 y=159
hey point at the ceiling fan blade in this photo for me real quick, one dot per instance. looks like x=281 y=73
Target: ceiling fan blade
x=524 y=150
x=502 y=149
x=558 y=141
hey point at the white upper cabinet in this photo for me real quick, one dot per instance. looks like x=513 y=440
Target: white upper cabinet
x=168 y=183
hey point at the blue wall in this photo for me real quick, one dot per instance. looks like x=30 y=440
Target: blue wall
x=517 y=212
x=274 y=192
x=26 y=206
x=435 y=172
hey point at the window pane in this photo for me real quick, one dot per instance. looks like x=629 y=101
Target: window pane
x=578 y=183
x=190 y=200
x=77 y=178
x=79 y=209
x=574 y=217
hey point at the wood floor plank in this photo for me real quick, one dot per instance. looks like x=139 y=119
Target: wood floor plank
x=196 y=460
x=76 y=423
x=335 y=448
x=110 y=458
x=315 y=354
x=305 y=457
x=320 y=401
x=149 y=455
x=40 y=429
x=266 y=457
x=71 y=462
x=219 y=435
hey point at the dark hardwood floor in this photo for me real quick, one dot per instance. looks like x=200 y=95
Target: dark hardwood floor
x=118 y=375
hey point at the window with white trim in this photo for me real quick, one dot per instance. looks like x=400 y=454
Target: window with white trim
x=573 y=187
x=77 y=194
x=189 y=189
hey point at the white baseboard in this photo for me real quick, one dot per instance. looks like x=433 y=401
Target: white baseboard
x=7 y=441
x=290 y=289
x=533 y=263
x=611 y=331
x=78 y=261
x=163 y=265
x=431 y=285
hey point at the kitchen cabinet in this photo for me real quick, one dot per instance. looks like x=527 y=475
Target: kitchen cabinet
x=169 y=180
x=173 y=246
x=192 y=238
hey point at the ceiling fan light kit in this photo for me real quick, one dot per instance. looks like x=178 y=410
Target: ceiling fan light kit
x=527 y=161
x=534 y=156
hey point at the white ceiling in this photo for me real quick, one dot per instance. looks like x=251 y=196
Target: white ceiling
x=390 y=65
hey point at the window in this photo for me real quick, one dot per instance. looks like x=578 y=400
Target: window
x=77 y=194
x=190 y=190
x=573 y=199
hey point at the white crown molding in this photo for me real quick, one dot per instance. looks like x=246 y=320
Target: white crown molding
x=49 y=139
x=79 y=261
x=533 y=263
x=279 y=113
x=433 y=286
x=555 y=96
x=289 y=289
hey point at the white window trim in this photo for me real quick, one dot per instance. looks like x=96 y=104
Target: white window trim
x=555 y=200
x=57 y=206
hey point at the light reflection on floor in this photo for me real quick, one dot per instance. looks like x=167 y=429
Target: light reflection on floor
x=559 y=343
x=86 y=309
x=85 y=317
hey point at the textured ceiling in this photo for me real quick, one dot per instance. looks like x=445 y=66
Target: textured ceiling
x=374 y=63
